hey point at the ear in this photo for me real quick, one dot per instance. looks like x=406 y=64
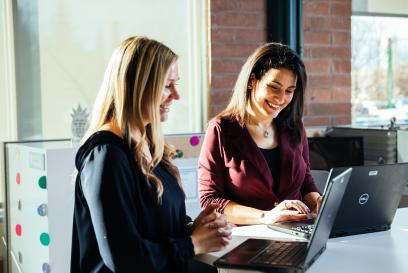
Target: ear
x=251 y=82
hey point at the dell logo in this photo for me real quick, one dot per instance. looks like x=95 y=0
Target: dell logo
x=372 y=173
x=363 y=199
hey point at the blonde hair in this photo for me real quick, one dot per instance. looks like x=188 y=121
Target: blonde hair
x=264 y=58
x=133 y=83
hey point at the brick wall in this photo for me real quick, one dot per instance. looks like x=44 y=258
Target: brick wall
x=327 y=56
x=239 y=26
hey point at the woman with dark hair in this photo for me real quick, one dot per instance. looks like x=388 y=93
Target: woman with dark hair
x=254 y=161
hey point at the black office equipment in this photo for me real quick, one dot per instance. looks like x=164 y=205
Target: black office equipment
x=330 y=152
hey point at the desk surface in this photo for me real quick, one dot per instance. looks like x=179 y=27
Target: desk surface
x=377 y=252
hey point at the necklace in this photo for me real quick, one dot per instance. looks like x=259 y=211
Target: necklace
x=266 y=131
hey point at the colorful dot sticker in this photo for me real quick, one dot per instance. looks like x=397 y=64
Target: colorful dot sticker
x=195 y=140
x=45 y=239
x=19 y=206
x=19 y=230
x=179 y=154
x=18 y=178
x=42 y=182
x=46 y=268
x=20 y=257
x=42 y=210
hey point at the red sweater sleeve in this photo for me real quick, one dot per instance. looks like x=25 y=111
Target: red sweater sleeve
x=211 y=168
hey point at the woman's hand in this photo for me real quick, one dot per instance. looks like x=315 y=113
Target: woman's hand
x=288 y=210
x=210 y=231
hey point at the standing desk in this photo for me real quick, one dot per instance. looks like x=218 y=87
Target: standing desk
x=379 y=252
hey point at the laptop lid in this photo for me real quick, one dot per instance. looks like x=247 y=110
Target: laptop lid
x=371 y=199
x=332 y=198
x=242 y=254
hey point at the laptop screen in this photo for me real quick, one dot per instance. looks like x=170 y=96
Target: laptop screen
x=330 y=152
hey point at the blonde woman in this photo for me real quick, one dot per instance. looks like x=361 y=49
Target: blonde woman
x=129 y=211
x=254 y=161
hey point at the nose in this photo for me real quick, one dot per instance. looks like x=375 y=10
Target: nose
x=175 y=95
x=280 y=97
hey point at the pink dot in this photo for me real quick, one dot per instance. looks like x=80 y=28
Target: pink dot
x=195 y=140
x=18 y=230
x=18 y=178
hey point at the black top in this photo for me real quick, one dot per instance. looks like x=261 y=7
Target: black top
x=118 y=224
x=272 y=158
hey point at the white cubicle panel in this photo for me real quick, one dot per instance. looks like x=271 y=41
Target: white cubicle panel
x=40 y=205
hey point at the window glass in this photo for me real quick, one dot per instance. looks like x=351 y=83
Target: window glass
x=62 y=48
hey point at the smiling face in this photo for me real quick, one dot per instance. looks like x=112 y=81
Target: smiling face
x=272 y=93
x=170 y=92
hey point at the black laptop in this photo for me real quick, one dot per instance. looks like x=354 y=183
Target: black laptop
x=369 y=203
x=290 y=256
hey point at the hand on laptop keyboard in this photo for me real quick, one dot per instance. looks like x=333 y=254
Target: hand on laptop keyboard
x=288 y=210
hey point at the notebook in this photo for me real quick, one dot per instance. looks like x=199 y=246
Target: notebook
x=290 y=256
x=369 y=203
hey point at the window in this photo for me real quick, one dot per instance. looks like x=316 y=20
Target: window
x=62 y=49
x=379 y=65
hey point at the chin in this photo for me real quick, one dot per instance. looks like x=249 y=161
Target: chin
x=163 y=117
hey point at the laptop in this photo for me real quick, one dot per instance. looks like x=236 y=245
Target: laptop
x=290 y=256
x=369 y=203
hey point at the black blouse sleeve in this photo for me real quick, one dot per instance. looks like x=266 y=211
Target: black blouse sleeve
x=109 y=189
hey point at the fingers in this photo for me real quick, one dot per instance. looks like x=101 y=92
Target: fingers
x=208 y=214
x=295 y=204
x=219 y=222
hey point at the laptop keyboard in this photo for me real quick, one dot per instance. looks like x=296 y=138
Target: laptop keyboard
x=308 y=229
x=281 y=253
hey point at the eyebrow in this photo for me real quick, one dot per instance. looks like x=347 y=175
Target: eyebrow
x=278 y=83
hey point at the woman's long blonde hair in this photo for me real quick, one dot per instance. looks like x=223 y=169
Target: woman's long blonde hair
x=133 y=84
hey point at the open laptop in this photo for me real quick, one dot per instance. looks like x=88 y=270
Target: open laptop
x=290 y=256
x=369 y=203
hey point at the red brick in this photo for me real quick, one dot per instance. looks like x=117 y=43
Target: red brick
x=222 y=5
x=316 y=37
x=330 y=52
x=319 y=81
x=250 y=5
x=316 y=8
x=342 y=66
x=342 y=120
x=237 y=36
x=215 y=109
x=242 y=51
x=236 y=20
x=316 y=121
x=343 y=80
x=341 y=38
x=220 y=97
x=318 y=95
x=332 y=109
x=223 y=81
x=340 y=23
x=340 y=8
x=341 y=94
x=314 y=66
x=221 y=66
x=320 y=22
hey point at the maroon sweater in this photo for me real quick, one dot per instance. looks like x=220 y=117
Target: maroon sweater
x=232 y=168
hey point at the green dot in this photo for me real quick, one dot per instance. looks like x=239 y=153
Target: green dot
x=45 y=239
x=42 y=182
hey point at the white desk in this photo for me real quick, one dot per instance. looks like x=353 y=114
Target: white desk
x=379 y=252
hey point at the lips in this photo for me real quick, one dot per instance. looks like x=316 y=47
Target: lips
x=165 y=108
x=275 y=107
